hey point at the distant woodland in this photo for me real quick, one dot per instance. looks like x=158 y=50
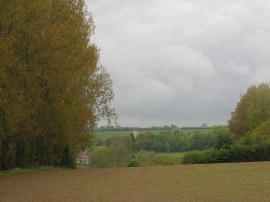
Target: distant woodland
x=245 y=138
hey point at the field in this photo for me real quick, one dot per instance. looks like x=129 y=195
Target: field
x=106 y=134
x=215 y=182
x=178 y=156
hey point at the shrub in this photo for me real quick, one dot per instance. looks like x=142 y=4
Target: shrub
x=145 y=157
x=234 y=153
x=170 y=161
x=222 y=155
x=134 y=163
x=194 y=157
x=101 y=157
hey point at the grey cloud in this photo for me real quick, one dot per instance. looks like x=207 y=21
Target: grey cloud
x=183 y=62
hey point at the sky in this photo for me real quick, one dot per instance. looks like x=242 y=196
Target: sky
x=182 y=62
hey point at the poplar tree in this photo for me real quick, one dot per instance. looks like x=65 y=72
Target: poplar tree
x=53 y=89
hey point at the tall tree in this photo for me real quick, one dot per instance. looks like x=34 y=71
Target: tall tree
x=53 y=89
x=252 y=110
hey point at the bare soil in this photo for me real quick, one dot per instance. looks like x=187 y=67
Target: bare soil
x=216 y=182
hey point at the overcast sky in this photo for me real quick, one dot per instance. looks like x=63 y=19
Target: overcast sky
x=183 y=62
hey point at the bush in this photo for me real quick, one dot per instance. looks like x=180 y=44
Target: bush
x=116 y=153
x=195 y=157
x=234 y=153
x=170 y=161
x=134 y=163
x=221 y=156
x=145 y=157
x=101 y=157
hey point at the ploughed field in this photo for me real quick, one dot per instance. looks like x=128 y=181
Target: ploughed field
x=212 y=182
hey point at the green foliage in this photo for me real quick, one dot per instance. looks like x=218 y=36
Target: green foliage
x=251 y=111
x=121 y=151
x=175 y=141
x=116 y=153
x=52 y=88
x=146 y=158
x=200 y=157
x=133 y=163
x=262 y=130
x=202 y=141
x=222 y=135
x=244 y=150
x=101 y=157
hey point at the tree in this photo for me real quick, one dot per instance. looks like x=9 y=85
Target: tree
x=262 y=130
x=222 y=136
x=251 y=111
x=201 y=141
x=53 y=89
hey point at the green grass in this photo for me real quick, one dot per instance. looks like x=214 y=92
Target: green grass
x=146 y=158
x=27 y=170
x=31 y=170
x=171 y=154
x=82 y=166
x=171 y=158
x=107 y=134
x=175 y=157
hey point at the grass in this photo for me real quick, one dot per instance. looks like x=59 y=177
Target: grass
x=247 y=182
x=27 y=170
x=106 y=134
x=31 y=170
x=171 y=154
x=82 y=166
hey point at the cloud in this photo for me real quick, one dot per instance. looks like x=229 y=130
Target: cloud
x=260 y=75
x=184 y=62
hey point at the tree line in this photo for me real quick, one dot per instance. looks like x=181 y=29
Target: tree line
x=246 y=138
x=143 y=150
x=53 y=89
x=174 y=140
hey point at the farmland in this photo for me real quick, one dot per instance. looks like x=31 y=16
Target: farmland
x=107 y=134
x=114 y=133
x=213 y=182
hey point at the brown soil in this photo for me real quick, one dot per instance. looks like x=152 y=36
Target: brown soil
x=216 y=182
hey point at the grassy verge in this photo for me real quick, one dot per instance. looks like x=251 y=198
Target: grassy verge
x=27 y=170
x=82 y=166
x=43 y=168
